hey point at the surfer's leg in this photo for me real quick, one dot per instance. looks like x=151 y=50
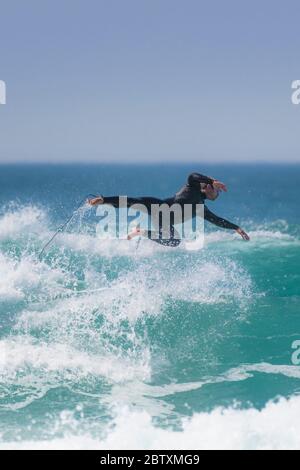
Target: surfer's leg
x=172 y=239
x=171 y=242
x=131 y=201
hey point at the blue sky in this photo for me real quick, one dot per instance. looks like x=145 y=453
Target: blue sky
x=149 y=80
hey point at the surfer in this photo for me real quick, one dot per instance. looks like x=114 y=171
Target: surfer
x=197 y=190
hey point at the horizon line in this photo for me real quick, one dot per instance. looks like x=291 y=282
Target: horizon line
x=148 y=162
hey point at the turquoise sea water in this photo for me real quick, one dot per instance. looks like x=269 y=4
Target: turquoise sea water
x=103 y=345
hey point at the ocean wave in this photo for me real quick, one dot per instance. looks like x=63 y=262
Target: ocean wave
x=275 y=427
x=63 y=335
x=246 y=371
x=24 y=278
x=100 y=312
x=31 y=368
x=144 y=269
x=22 y=220
x=258 y=238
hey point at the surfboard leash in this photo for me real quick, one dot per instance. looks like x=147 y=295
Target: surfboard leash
x=63 y=227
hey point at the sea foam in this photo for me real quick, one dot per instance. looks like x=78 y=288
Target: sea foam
x=275 y=427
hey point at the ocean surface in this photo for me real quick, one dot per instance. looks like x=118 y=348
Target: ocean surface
x=108 y=344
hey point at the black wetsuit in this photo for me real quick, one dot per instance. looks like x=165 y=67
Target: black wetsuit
x=189 y=194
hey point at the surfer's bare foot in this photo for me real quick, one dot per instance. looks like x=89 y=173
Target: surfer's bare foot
x=137 y=232
x=96 y=201
x=243 y=234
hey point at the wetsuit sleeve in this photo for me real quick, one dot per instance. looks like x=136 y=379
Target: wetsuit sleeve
x=112 y=200
x=196 y=178
x=218 y=221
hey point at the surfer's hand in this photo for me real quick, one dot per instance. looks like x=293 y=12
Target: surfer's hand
x=220 y=186
x=243 y=234
x=96 y=201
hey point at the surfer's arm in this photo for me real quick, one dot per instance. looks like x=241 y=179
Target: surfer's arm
x=223 y=223
x=196 y=179
x=218 y=221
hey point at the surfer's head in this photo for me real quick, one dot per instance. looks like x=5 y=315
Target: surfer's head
x=209 y=192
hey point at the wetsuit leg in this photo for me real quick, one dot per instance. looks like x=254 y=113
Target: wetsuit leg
x=171 y=238
x=145 y=201
x=174 y=239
